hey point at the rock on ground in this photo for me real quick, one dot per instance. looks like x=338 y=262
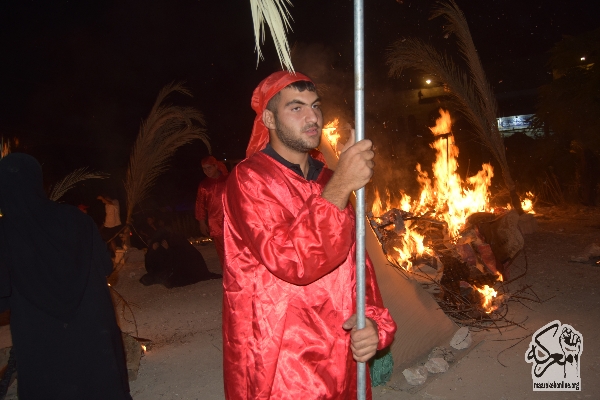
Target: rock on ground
x=462 y=339
x=415 y=376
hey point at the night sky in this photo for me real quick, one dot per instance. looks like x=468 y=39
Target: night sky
x=78 y=77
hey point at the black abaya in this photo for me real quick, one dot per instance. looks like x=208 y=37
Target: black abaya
x=66 y=339
x=179 y=264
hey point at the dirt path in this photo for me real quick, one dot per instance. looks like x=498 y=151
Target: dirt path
x=185 y=361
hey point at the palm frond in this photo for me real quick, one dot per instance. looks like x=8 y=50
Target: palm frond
x=470 y=91
x=276 y=15
x=65 y=184
x=167 y=128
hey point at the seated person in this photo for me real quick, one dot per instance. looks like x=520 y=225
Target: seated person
x=172 y=261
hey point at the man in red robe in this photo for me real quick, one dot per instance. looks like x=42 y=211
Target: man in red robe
x=209 y=203
x=289 y=328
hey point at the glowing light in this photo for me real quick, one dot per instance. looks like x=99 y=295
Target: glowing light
x=144 y=348
x=330 y=133
x=488 y=297
x=445 y=197
x=582 y=58
x=428 y=81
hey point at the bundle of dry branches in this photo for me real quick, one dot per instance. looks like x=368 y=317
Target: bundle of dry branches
x=65 y=184
x=470 y=91
x=166 y=129
x=276 y=15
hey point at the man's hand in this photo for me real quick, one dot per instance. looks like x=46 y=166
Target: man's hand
x=203 y=228
x=354 y=170
x=363 y=342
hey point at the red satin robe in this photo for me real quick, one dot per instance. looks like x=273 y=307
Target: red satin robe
x=209 y=203
x=289 y=285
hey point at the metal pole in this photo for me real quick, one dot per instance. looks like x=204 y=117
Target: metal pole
x=359 y=110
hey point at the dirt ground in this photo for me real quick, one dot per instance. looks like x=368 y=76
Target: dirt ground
x=184 y=325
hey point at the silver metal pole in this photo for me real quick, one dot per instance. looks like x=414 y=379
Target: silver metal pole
x=359 y=110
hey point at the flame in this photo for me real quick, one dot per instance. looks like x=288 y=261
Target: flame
x=4 y=147
x=488 y=298
x=330 y=133
x=451 y=198
x=527 y=203
x=443 y=124
x=444 y=196
x=144 y=348
x=378 y=208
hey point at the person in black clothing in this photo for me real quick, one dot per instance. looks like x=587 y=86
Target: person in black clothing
x=53 y=278
x=173 y=261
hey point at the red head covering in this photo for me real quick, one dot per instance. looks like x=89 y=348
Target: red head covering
x=210 y=160
x=264 y=92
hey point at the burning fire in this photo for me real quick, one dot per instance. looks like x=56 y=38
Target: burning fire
x=527 y=203
x=451 y=199
x=488 y=294
x=445 y=197
x=4 y=148
x=330 y=133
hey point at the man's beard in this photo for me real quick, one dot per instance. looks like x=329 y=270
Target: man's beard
x=299 y=144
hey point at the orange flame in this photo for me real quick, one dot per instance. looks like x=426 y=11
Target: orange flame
x=444 y=196
x=443 y=124
x=527 y=203
x=4 y=148
x=330 y=133
x=488 y=298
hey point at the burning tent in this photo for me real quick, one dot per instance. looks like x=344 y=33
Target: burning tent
x=442 y=257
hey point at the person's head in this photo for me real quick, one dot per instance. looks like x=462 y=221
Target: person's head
x=273 y=100
x=294 y=118
x=21 y=181
x=210 y=167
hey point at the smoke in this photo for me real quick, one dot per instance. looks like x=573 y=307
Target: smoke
x=401 y=139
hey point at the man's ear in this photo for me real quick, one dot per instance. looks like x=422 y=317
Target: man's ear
x=269 y=119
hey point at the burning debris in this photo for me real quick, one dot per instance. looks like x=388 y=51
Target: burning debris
x=450 y=239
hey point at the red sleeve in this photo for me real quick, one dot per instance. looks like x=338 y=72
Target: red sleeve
x=201 y=203
x=297 y=243
x=375 y=310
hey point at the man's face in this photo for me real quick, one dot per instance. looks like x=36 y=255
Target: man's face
x=299 y=120
x=210 y=170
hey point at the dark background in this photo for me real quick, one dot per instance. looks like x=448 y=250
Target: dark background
x=78 y=77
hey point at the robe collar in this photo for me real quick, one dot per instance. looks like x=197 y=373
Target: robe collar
x=314 y=166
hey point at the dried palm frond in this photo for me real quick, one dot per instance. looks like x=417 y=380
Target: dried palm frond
x=166 y=129
x=276 y=15
x=65 y=184
x=470 y=91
